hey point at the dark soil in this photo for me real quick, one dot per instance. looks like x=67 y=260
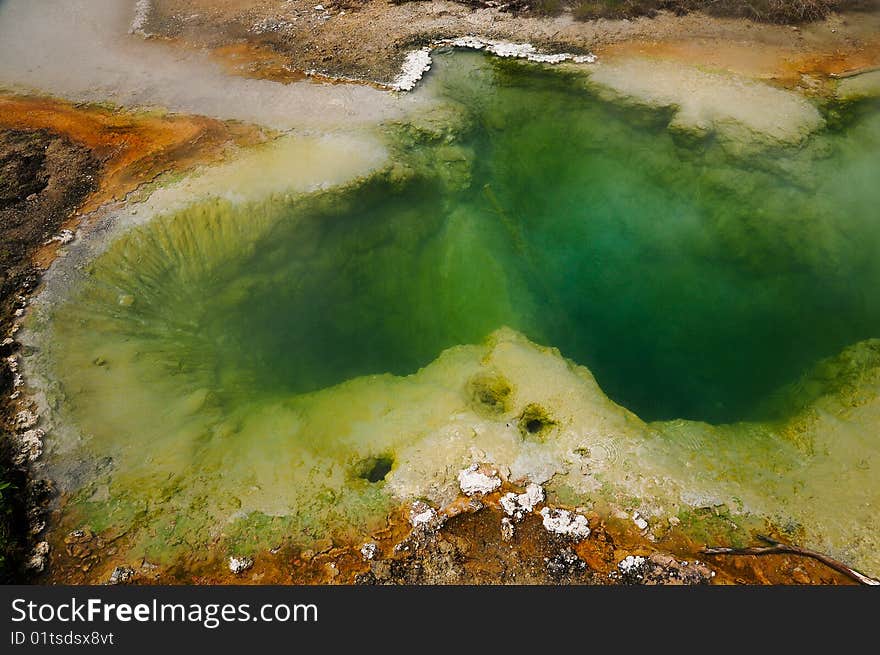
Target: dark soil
x=43 y=179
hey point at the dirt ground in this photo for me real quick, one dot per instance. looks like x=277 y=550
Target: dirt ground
x=369 y=40
x=43 y=178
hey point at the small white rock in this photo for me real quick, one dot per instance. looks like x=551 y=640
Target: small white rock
x=631 y=564
x=26 y=419
x=37 y=561
x=63 y=237
x=121 y=575
x=421 y=514
x=423 y=518
x=368 y=551
x=415 y=65
x=507 y=529
x=518 y=505
x=31 y=445
x=478 y=480
x=240 y=564
x=564 y=522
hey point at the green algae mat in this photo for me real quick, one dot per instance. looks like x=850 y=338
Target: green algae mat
x=575 y=288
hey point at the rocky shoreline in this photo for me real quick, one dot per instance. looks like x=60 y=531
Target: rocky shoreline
x=45 y=177
x=371 y=41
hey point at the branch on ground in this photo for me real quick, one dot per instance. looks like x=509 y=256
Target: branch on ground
x=779 y=548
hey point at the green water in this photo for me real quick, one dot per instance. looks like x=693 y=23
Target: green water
x=692 y=278
x=691 y=283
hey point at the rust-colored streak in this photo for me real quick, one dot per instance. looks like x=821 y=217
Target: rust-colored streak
x=249 y=60
x=244 y=59
x=782 y=64
x=133 y=148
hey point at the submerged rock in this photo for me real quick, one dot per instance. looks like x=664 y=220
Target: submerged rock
x=858 y=87
x=734 y=107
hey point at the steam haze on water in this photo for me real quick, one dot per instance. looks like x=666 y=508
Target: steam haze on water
x=82 y=50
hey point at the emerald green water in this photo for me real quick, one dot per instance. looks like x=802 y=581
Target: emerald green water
x=691 y=277
x=690 y=282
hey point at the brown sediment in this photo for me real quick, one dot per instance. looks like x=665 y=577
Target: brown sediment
x=839 y=64
x=468 y=548
x=783 y=64
x=252 y=60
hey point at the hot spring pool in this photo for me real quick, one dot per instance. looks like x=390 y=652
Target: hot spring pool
x=299 y=364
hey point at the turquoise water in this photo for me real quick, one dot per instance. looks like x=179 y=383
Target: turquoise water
x=692 y=276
